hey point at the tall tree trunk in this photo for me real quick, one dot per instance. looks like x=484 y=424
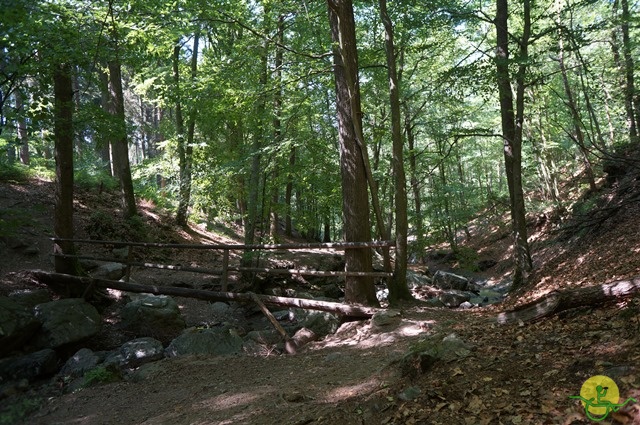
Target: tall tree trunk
x=288 y=225
x=631 y=97
x=253 y=199
x=398 y=289
x=415 y=185
x=185 y=144
x=575 y=116
x=277 y=130
x=23 y=134
x=63 y=135
x=120 y=143
x=104 y=146
x=355 y=202
x=512 y=122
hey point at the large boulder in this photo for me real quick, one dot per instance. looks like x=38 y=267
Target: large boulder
x=80 y=363
x=66 y=321
x=31 y=366
x=17 y=325
x=446 y=280
x=110 y=271
x=157 y=316
x=210 y=341
x=453 y=299
x=140 y=351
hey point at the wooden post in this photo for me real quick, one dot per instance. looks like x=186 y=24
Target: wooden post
x=225 y=270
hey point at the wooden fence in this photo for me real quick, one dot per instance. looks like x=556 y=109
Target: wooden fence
x=225 y=268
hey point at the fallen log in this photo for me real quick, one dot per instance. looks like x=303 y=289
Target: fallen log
x=65 y=284
x=558 y=301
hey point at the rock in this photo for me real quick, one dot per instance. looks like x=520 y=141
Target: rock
x=268 y=337
x=81 y=362
x=423 y=355
x=382 y=295
x=110 y=271
x=453 y=298
x=434 y=302
x=220 y=308
x=466 y=305
x=140 y=351
x=205 y=341
x=487 y=296
x=66 y=321
x=152 y=315
x=409 y=394
x=321 y=323
x=31 y=297
x=31 y=366
x=304 y=336
x=17 y=325
x=386 y=320
x=417 y=280
x=445 y=280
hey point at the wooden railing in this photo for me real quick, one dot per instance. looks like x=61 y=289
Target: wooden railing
x=224 y=271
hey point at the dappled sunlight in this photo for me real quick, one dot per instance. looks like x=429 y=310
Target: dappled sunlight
x=347 y=392
x=229 y=401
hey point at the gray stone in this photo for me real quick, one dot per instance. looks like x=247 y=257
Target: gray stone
x=140 y=351
x=81 y=362
x=17 y=325
x=417 y=280
x=386 y=320
x=466 y=305
x=31 y=297
x=220 y=308
x=426 y=353
x=205 y=341
x=453 y=298
x=111 y=271
x=31 y=366
x=268 y=337
x=66 y=321
x=151 y=315
x=445 y=280
x=321 y=323
x=304 y=336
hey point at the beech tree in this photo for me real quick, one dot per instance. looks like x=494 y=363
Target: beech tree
x=355 y=200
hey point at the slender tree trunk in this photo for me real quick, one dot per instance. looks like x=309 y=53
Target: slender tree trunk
x=631 y=97
x=398 y=289
x=575 y=116
x=512 y=122
x=355 y=202
x=63 y=135
x=120 y=144
x=288 y=225
x=23 y=134
x=415 y=185
x=185 y=141
x=277 y=130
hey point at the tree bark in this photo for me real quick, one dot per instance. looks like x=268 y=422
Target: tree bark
x=61 y=283
x=398 y=289
x=185 y=144
x=512 y=122
x=63 y=135
x=120 y=143
x=355 y=201
x=575 y=116
x=23 y=134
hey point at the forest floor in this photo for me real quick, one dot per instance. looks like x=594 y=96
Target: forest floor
x=522 y=373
